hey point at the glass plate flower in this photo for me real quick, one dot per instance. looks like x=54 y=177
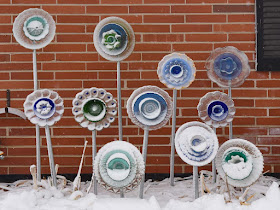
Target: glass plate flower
x=94 y=108
x=114 y=38
x=34 y=28
x=149 y=106
x=119 y=165
x=241 y=161
x=196 y=143
x=216 y=109
x=176 y=71
x=228 y=67
x=43 y=107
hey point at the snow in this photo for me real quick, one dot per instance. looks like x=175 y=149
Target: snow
x=158 y=196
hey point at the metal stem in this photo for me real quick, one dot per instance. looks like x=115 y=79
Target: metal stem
x=173 y=137
x=214 y=173
x=38 y=141
x=144 y=154
x=50 y=152
x=230 y=124
x=93 y=157
x=195 y=181
x=119 y=100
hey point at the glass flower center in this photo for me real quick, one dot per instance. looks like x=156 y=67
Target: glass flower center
x=176 y=71
x=150 y=108
x=44 y=108
x=198 y=143
x=94 y=110
x=228 y=65
x=118 y=166
x=217 y=110
x=111 y=40
x=35 y=26
x=237 y=163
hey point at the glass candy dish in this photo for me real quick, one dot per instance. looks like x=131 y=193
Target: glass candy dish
x=176 y=71
x=43 y=107
x=94 y=108
x=241 y=161
x=34 y=28
x=196 y=143
x=119 y=166
x=216 y=109
x=149 y=106
x=114 y=38
x=228 y=67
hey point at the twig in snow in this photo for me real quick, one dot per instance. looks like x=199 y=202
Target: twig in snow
x=228 y=191
x=77 y=180
x=90 y=184
x=56 y=168
x=34 y=176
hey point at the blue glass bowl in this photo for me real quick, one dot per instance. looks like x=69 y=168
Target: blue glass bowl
x=228 y=67
x=216 y=109
x=176 y=71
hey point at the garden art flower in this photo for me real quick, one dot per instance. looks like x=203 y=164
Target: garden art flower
x=34 y=28
x=43 y=107
x=94 y=108
x=114 y=38
x=216 y=109
x=119 y=166
x=149 y=107
x=228 y=67
x=196 y=143
x=176 y=71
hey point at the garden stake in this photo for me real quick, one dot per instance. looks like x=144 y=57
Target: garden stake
x=144 y=153
x=119 y=99
x=50 y=152
x=195 y=181
x=93 y=157
x=38 y=142
x=214 y=166
x=173 y=137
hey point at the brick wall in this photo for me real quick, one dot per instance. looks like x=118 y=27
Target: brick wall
x=70 y=63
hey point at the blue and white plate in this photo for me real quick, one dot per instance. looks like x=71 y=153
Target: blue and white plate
x=196 y=143
x=228 y=67
x=118 y=166
x=43 y=107
x=114 y=38
x=149 y=106
x=216 y=109
x=34 y=28
x=239 y=162
x=176 y=71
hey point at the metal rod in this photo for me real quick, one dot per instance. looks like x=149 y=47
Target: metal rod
x=38 y=141
x=93 y=157
x=144 y=154
x=50 y=152
x=122 y=193
x=230 y=124
x=195 y=181
x=214 y=173
x=173 y=137
x=119 y=84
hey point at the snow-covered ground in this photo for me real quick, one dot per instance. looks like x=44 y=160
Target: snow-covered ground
x=158 y=195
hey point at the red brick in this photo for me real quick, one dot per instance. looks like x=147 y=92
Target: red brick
x=64 y=9
x=193 y=47
x=12 y=9
x=205 y=18
x=121 y=2
x=70 y=28
x=106 y=9
x=65 y=47
x=75 y=38
x=76 y=75
x=234 y=27
x=34 y=1
x=206 y=37
x=78 y=1
x=233 y=8
x=241 y=37
x=191 y=28
x=191 y=9
x=151 y=28
x=153 y=47
x=241 y=18
x=29 y=75
x=149 y=9
x=77 y=19
x=163 y=18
